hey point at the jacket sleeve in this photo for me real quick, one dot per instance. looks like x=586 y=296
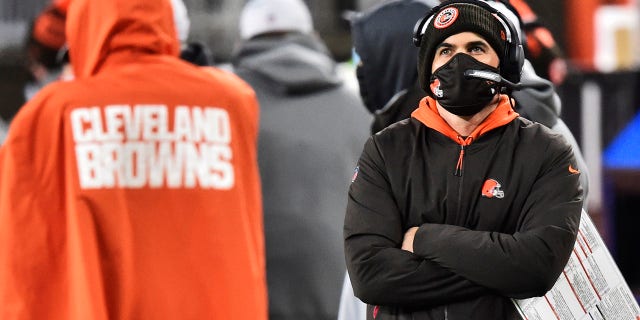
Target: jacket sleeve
x=381 y=273
x=528 y=262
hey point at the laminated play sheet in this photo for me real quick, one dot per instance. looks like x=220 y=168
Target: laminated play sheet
x=591 y=286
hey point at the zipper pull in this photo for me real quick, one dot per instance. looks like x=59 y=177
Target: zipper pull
x=458 y=171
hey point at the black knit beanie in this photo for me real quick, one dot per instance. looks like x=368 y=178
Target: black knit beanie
x=453 y=19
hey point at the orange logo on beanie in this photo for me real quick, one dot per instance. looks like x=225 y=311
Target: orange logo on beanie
x=446 y=18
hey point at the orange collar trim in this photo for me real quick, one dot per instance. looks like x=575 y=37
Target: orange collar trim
x=428 y=114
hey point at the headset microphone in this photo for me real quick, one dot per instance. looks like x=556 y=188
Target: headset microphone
x=492 y=76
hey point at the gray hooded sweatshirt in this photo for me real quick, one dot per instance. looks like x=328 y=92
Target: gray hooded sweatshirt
x=312 y=130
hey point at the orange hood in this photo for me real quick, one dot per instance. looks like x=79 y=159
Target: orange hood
x=98 y=28
x=427 y=113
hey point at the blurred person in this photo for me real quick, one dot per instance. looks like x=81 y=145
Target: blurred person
x=45 y=48
x=418 y=240
x=132 y=191
x=312 y=127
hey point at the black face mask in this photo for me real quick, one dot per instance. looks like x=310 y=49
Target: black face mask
x=458 y=94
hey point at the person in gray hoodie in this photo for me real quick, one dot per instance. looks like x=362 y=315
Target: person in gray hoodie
x=312 y=129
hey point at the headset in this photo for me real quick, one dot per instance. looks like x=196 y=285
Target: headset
x=512 y=59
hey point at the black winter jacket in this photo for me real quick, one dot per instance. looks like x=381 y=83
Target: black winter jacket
x=502 y=227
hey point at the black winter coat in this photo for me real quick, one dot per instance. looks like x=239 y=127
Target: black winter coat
x=503 y=228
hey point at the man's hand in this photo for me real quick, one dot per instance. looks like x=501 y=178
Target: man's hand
x=407 y=242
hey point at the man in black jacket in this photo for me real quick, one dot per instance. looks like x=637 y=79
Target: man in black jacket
x=465 y=205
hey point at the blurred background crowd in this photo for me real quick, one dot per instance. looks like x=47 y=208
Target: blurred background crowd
x=590 y=50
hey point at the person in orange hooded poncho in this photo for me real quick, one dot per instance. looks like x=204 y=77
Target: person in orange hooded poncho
x=132 y=192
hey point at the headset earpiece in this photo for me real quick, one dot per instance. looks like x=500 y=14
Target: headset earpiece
x=513 y=58
x=417 y=38
x=417 y=30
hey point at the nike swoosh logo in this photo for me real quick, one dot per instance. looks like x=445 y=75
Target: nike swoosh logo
x=572 y=170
